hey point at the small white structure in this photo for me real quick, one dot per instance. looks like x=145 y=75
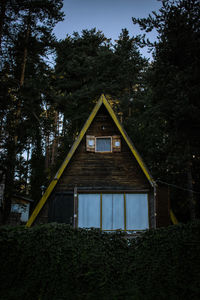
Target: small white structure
x=21 y=205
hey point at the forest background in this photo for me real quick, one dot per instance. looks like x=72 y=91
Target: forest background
x=43 y=106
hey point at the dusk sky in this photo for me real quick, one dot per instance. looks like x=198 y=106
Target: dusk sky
x=109 y=16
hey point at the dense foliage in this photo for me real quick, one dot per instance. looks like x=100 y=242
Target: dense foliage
x=171 y=120
x=26 y=40
x=57 y=262
x=88 y=65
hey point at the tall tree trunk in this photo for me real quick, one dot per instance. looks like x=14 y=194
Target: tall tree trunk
x=13 y=139
x=1 y=128
x=47 y=152
x=47 y=146
x=20 y=173
x=191 y=199
x=25 y=54
x=27 y=169
x=22 y=76
x=63 y=132
x=9 y=182
x=2 y=18
x=55 y=140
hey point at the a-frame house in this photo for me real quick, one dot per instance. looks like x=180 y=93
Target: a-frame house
x=103 y=182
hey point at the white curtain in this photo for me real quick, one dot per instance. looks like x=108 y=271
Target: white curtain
x=112 y=211
x=89 y=210
x=137 y=211
x=89 y=207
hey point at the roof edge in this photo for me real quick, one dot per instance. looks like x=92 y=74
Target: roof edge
x=64 y=164
x=129 y=142
x=102 y=100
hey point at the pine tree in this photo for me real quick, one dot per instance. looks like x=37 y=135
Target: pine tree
x=173 y=110
x=30 y=39
x=89 y=65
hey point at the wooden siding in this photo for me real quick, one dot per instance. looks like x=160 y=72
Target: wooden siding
x=87 y=169
x=162 y=207
x=102 y=171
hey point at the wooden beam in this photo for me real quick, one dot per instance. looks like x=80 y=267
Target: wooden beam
x=129 y=143
x=102 y=100
x=64 y=164
x=173 y=218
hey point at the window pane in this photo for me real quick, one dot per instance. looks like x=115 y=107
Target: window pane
x=118 y=211
x=103 y=144
x=91 y=143
x=112 y=211
x=107 y=212
x=137 y=211
x=89 y=210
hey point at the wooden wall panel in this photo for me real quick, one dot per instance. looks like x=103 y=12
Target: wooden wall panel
x=88 y=169
x=102 y=171
x=162 y=206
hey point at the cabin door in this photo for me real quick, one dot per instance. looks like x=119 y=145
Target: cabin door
x=61 y=208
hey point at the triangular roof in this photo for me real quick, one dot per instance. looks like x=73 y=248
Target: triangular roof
x=102 y=101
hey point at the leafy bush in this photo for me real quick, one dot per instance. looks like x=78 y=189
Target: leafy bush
x=55 y=261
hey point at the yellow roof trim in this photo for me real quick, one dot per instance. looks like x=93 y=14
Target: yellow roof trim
x=129 y=143
x=64 y=164
x=102 y=100
x=173 y=218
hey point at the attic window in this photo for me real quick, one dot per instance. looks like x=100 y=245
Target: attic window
x=103 y=144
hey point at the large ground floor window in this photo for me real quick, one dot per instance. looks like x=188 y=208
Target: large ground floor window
x=113 y=211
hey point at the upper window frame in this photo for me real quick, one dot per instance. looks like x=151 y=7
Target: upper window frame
x=113 y=147
x=103 y=137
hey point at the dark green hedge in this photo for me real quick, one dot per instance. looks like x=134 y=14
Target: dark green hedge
x=57 y=262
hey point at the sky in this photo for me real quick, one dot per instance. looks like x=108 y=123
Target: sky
x=109 y=16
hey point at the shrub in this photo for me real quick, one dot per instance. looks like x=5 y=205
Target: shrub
x=55 y=261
